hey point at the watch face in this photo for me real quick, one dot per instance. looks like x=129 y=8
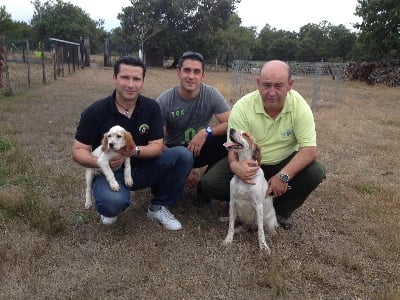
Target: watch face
x=209 y=130
x=284 y=177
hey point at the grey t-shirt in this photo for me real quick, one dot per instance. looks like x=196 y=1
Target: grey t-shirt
x=184 y=118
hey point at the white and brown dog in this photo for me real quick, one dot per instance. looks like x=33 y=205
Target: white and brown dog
x=115 y=139
x=248 y=202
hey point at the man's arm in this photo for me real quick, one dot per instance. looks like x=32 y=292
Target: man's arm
x=82 y=154
x=222 y=127
x=200 y=138
x=152 y=149
x=245 y=169
x=302 y=159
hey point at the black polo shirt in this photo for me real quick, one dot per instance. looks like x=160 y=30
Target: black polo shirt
x=145 y=123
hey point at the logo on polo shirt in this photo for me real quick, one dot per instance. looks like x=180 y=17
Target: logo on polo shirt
x=144 y=128
x=287 y=132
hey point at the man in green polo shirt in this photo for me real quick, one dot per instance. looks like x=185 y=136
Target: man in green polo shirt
x=283 y=126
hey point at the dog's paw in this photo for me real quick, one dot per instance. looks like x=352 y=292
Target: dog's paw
x=88 y=204
x=223 y=219
x=264 y=247
x=227 y=241
x=129 y=181
x=114 y=186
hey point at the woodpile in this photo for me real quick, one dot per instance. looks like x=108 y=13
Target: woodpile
x=385 y=72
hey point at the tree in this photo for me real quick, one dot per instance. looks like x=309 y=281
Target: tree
x=173 y=27
x=142 y=20
x=65 y=21
x=276 y=44
x=314 y=41
x=6 y=23
x=380 y=28
x=234 y=42
x=340 y=43
x=15 y=32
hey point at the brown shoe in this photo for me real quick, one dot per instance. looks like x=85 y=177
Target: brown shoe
x=284 y=222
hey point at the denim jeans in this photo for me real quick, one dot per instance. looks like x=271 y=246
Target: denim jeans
x=213 y=151
x=168 y=173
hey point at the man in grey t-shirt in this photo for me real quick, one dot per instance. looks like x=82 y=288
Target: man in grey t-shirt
x=187 y=110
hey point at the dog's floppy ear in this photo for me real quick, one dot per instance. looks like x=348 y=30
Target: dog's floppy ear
x=104 y=143
x=257 y=154
x=129 y=143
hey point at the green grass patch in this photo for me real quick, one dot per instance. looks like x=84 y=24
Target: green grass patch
x=20 y=197
x=366 y=188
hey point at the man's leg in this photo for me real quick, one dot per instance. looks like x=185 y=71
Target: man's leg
x=213 y=151
x=168 y=174
x=301 y=186
x=215 y=183
x=107 y=202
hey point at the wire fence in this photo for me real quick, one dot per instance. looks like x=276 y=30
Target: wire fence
x=316 y=81
x=22 y=67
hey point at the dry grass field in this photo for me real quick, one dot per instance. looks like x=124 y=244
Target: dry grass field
x=345 y=243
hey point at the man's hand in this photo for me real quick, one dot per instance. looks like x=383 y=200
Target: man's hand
x=197 y=142
x=193 y=178
x=245 y=170
x=116 y=161
x=126 y=152
x=276 y=186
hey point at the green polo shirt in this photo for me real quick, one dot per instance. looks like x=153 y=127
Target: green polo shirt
x=293 y=128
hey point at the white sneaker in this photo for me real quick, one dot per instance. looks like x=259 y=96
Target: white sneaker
x=107 y=220
x=165 y=217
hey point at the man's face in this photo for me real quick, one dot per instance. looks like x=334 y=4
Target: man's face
x=190 y=75
x=128 y=82
x=273 y=85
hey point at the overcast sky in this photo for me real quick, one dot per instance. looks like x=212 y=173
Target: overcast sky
x=280 y=14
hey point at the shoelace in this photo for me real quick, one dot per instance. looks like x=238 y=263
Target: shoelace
x=167 y=213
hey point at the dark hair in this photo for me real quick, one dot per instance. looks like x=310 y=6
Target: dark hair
x=131 y=61
x=191 y=55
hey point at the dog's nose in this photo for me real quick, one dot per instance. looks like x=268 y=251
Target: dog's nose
x=111 y=145
x=232 y=131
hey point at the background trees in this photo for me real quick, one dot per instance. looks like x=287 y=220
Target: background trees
x=61 y=20
x=164 y=29
x=380 y=29
x=15 y=31
x=171 y=27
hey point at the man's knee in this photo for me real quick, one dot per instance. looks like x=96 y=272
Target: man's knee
x=182 y=154
x=316 y=173
x=215 y=186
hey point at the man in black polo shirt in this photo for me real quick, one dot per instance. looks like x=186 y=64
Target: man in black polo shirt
x=164 y=170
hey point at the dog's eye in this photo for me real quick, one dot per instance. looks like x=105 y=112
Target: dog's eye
x=119 y=136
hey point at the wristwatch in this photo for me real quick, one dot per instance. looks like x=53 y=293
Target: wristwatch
x=209 y=131
x=284 y=177
x=137 y=151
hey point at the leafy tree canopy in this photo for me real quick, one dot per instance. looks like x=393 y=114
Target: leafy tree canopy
x=380 y=28
x=14 y=31
x=176 y=26
x=64 y=21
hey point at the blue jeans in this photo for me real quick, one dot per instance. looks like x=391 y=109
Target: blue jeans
x=166 y=175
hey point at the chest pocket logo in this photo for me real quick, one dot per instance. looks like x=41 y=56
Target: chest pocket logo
x=287 y=133
x=143 y=129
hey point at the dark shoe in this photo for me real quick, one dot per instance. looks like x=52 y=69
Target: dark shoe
x=201 y=198
x=283 y=222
